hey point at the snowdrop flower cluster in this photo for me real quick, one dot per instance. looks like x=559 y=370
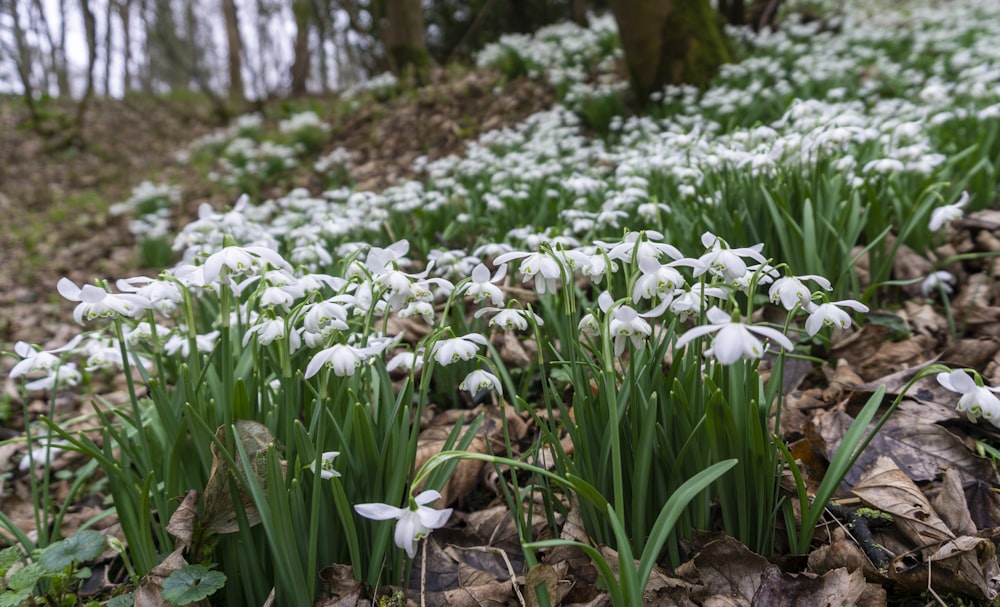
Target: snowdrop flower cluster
x=147 y=198
x=338 y=159
x=383 y=84
x=303 y=121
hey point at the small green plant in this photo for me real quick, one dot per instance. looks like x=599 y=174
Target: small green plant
x=51 y=575
x=192 y=584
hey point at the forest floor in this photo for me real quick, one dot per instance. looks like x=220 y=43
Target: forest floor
x=56 y=223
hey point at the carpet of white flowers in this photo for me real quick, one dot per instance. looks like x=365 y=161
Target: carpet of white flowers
x=627 y=283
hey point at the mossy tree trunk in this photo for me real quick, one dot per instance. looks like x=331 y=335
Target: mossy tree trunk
x=669 y=42
x=405 y=42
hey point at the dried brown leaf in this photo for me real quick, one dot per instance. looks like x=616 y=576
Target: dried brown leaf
x=951 y=506
x=965 y=565
x=725 y=570
x=339 y=586
x=182 y=521
x=887 y=488
x=542 y=578
x=219 y=513
x=836 y=587
x=150 y=590
x=841 y=552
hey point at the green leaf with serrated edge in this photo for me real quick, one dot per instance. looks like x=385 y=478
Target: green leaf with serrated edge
x=77 y=548
x=124 y=600
x=13 y=599
x=191 y=584
x=9 y=556
x=26 y=578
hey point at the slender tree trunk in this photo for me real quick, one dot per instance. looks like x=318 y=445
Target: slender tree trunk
x=76 y=136
x=124 y=14
x=56 y=63
x=323 y=28
x=303 y=11
x=22 y=61
x=62 y=71
x=107 y=47
x=578 y=12
x=235 y=49
x=669 y=42
x=404 y=39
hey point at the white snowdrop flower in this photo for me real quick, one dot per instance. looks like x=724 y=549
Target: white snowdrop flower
x=481 y=285
x=42 y=455
x=760 y=273
x=95 y=302
x=944 y=215
x=640 y=246
x=323 y=317
x=509 y=318
x=651 y=210
x=406 y=361
x=977 y=400
x=324 y=465
x=453 y=265
x=627 y=324
x=36 y=360
x=831 y=315
x=241 y=261
x=448 y=351
x=276 y=297
x=939 y=280
x=342 y=358
x=789 y=290
x=479 y=380
x=179 y=343
x=725 y=262
x=657 y=280
x=412 y=523
x=163 y=295
x=269 y=330
x=733 y=340
x=144 y=332
x=419 y=308
x=65 y=374
x=694 y=299
x=884 y=166
x=540 y=265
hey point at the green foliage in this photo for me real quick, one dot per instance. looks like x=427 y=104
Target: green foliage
x=191 y=584
x=78 y=548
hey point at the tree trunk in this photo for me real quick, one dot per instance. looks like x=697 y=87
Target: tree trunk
x=124 y=11
x=90 y=29
x=22 y=60
x=669 y=42
x=107 y=47
x=404 y=40
x=235 y=49
x=734 y=11
x=62 y=71
x=303 y=12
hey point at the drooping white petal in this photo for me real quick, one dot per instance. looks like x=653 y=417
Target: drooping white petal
x=378 y=512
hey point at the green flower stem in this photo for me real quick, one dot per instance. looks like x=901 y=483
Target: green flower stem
x=225 y=345
x=609 y=399
x=130 y=384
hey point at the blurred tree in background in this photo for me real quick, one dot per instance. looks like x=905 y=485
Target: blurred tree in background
x=231 y=51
